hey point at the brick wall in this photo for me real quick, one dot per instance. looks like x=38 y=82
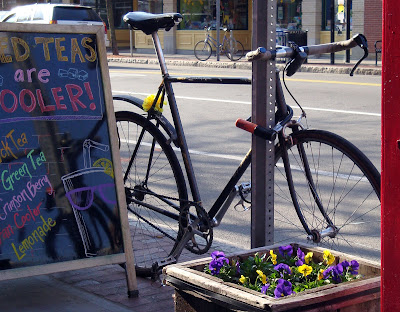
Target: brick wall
x=372 y=22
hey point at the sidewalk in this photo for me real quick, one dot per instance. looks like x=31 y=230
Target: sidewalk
x=316 y=65
x=103 y=288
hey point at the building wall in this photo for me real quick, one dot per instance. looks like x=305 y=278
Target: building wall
x=373 y=22
x=311 y=20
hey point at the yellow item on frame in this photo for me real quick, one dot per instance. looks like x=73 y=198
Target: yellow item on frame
x=148 y=102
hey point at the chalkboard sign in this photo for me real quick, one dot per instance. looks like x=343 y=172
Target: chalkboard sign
x=61 y=185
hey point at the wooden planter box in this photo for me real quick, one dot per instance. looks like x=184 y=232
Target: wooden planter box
x=198 y=291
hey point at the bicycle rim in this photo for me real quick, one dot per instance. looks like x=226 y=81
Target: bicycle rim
x=348 y=186
x=153 y=181
x=234 y=50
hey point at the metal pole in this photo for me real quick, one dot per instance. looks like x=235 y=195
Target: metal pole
x=348 y=5
x=390 y=195
x=333 y=15
x=218 y=21
x=131 y=41
x=263 y=108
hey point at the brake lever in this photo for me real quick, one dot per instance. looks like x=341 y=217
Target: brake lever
x=361 y=41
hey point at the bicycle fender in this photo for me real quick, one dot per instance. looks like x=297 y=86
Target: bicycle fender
x=165 y=124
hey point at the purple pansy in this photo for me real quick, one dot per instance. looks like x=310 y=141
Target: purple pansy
x=327 y=272
x=283 y=288
x=286 y=250
x=281 y=267
x=335 y=272
x=345 y=264
x=217 y=262
x=300 y=257
x=354 y=267
x=237 y=267
x=264 y=289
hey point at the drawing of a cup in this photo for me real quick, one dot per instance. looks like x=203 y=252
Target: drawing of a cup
x=86 y=188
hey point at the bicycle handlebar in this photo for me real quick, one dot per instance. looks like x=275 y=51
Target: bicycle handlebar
x=288 y=52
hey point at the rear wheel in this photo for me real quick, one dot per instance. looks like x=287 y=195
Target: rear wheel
x=234 y=50
x=202 y=50
x=347 y=185
x=153 y=186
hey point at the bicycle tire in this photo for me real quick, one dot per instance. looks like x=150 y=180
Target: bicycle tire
x=154 y=234
x=352 y=202
x=234 y=50
x=202 y=50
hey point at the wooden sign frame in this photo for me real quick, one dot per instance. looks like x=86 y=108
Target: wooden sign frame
x=126 y=256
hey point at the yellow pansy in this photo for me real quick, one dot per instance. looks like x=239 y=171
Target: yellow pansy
x=242 y=279
x=273 y=257
x=328 y=257
x=305 y=269
x=320 y=274
x=263 y=276
x=308 y=257
x=148 y=102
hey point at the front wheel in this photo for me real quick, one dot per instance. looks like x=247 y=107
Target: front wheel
x=347 y=186
x=202 y=50
x=234 y=50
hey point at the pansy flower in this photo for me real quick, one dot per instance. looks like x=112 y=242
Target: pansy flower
x=300 y=257
x=335 y=272
x=308 y=257
x=286 y=250
x=320 y=274
x=262 y=276
x=264 y=289
x=217 y=262
x=328 y=257
x=283 y=288
x=273 y=257
x=282 y=268
x=305 y=269
x=354 y=267
x=243 y=279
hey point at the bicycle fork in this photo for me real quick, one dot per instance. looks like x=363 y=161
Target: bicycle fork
x=313 y=235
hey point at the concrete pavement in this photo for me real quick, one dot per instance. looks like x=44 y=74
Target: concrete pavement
x=104 y=288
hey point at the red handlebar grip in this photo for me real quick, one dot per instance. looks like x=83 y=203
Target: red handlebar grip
x=245 y=125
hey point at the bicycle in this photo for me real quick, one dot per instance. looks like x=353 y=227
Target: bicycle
x=319 y=174
x=233 y=48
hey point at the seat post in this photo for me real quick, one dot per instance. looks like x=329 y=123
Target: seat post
x=160 y=53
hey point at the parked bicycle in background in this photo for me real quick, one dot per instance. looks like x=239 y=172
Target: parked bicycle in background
x=229 y=46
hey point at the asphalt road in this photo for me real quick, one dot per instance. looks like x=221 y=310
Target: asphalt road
x=348 y=106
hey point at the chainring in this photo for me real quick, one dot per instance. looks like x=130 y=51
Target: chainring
x=195 y=219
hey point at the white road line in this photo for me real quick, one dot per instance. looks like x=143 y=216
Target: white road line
x=126 y=74
x=353 y=177
x=249 y=103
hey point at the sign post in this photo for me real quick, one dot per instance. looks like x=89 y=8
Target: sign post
x=390 y=157
x=263 y=113
x=62 y=204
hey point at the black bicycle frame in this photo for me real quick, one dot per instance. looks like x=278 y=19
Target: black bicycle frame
x=218 y=209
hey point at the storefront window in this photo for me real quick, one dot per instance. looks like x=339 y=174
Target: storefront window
x=151 y=6
x=289 y=14
x=198 y=14
x=339 y=7
x=120 y=8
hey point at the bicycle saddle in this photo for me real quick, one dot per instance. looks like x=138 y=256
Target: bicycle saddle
x=149 y=23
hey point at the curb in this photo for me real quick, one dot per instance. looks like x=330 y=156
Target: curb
x=311 y=68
